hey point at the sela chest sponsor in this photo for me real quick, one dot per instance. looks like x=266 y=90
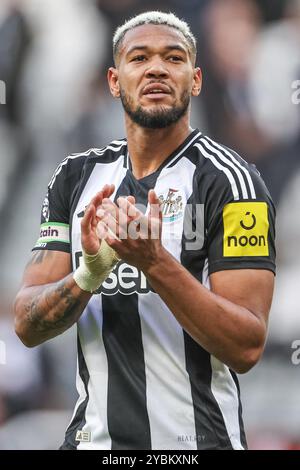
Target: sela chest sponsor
x=246 y=228
x=124 y=278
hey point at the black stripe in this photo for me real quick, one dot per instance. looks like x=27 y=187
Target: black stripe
x=241 y=423
x=127 y=416
x=75 y=196
x=224 y=164
x=109 y=156
x=211 y=431
x=79 y=419
x=128 y=421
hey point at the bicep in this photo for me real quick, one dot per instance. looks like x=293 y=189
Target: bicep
x=46 y=267
x=249 y=288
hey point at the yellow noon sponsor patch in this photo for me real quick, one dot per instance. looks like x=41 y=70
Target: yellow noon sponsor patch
x=246 y=228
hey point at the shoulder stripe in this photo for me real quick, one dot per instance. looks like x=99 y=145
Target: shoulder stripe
x=98 y=152
x=118 y=142
x=223 y=168
x=109 y=147
x=227 y=153
x=215 y=152
x=62 y=164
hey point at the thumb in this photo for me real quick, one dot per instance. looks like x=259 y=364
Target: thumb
x=155 y=215
x=152 y=197
x=155 y=204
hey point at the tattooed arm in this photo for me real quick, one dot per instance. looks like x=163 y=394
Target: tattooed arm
x=50 y=301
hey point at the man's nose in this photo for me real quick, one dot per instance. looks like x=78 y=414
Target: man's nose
x=156 y=69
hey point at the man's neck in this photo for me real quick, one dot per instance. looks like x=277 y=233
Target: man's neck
x=149 y=148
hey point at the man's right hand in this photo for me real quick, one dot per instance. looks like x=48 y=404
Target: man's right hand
x=89 y=237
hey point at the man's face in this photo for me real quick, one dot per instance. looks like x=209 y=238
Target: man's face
x=155 y=76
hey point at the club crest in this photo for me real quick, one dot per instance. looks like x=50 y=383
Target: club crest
x=172 y=205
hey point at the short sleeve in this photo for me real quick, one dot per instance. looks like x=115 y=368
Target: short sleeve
x=55 y=213
x=240 y=232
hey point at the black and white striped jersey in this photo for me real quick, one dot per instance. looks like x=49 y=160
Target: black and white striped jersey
x=143 y=382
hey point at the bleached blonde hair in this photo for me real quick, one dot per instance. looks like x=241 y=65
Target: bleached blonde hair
x=156 y=18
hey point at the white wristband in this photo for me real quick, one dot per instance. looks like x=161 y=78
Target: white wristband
x=94 y=269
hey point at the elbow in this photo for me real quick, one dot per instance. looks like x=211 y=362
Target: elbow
x=247 y=360
x=250 y=355
x=24 y=335
x=22 y=330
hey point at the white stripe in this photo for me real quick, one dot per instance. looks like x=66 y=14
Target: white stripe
x=225 y=170
x=205 y=276
x=225 y=393
x=117 y=142
x=101 y=149
x=82 y=154
x=184 y=149
x=109 y=147
x=235 y=160
x=90 y=333
x=224 y=389
x=90 y=323
x=229 y=162
x=168 y=388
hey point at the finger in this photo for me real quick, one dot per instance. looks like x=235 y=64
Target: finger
x=105 y=193
x=131 y=199
x=155 y=215
x=97 y=199
x=127 y=205
x=110 y=208
x=131 y=219
x=155 y=204
x=120 y=219
x=152 y=197
x=111 y=225
x=101 y=230
x=108 y=190
x=86 y=222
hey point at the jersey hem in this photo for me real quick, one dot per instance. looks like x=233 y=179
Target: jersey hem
x=223 y=265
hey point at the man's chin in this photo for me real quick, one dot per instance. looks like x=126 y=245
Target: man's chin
x=155 y=109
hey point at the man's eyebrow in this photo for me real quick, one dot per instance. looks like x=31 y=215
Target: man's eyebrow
x=136 y=48
x=171 y=47
x=176 y=47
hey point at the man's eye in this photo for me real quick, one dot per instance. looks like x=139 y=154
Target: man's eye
x=138 y=58
x=176 y=58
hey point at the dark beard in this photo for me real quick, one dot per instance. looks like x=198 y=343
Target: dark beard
x=158 y=119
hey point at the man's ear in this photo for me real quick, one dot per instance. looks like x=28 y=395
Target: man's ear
x=113 y=82
x=197 y=82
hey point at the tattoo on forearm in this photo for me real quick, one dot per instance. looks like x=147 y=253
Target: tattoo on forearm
x=54 y=309
x=38 y=257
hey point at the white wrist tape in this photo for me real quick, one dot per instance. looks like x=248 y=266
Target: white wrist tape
x=94 y=269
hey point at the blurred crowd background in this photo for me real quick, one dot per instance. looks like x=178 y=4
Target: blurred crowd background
x=53 y=59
